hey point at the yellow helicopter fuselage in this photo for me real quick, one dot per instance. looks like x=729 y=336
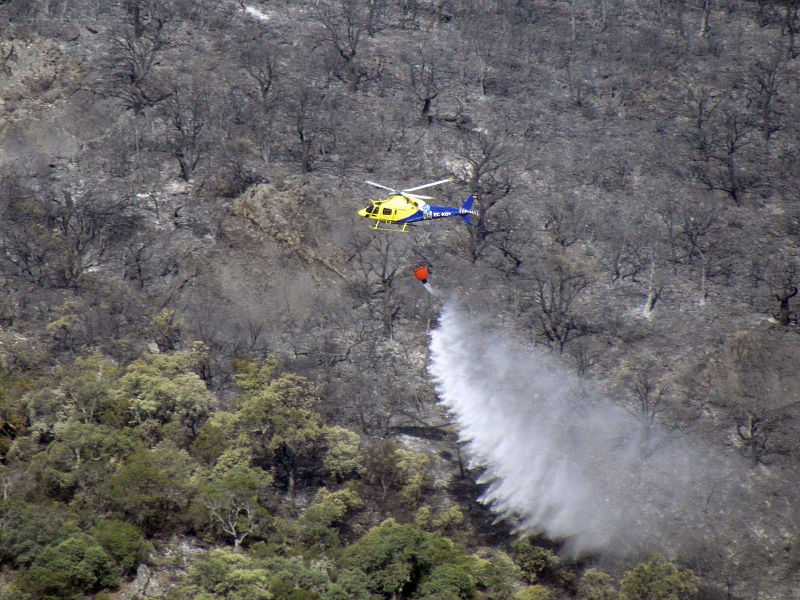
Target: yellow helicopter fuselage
x=394 y=210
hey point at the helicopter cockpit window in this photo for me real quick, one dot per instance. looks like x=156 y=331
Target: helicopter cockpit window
x=387 y=211
x=372 y=210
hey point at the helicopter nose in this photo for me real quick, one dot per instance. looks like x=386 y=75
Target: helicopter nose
x=363 y=213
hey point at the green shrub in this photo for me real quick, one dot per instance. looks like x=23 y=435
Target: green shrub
x=27 y=528
x=342 y=459
x=123 y=542
x=597 y=585
x=226 y=573
x=448 y=581
x=535 y=561
x=498 y=577
x=400 y=558
x=76 y=566
x=351 y=584
x=451 y=518
x=658 y=579
x=534 y=592
x=320 y=521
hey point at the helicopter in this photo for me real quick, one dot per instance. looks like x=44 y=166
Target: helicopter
x=404 y=207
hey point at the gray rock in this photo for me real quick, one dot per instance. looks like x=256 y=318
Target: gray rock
x=145 y=585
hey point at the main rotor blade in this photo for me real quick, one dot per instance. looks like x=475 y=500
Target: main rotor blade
x=417 y=196
x=383 y=187
x=427 y=185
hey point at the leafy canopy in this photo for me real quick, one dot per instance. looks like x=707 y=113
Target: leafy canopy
x=658 y=579
x=399 y=559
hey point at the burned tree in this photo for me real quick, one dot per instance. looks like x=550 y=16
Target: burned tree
x=723 y=163
x=489 y=168
x=187 y=110
x=306 y=106
x=646 y=402
x=131 y=72
x=379 y=260
x=425 y=79
x=52 y=239
x=752 y=378
x=556 y=283
x=762 y=84
x=785 y=284
x=345 y=22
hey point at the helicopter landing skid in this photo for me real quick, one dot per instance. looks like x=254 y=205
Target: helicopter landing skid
x=379 y=226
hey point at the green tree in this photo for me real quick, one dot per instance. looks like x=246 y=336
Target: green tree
x=321 y=520
x=230 y=496
x=498 y=577
x=123 y=542
x=449 y=520
x=448 y=582
x=46 y=407
x=534 y=592
x=15 y=380
x=68 y=569
x=86 y=385
x=166 y=331
x=294 y=578
x=414 y=475
x=397 y=472
x=153 y=488
x=595 y=584
x=278 y=423
x=343 y=458
x=658 y=579
x=157 y=389
x=225 y=573
x=535 y=561
x=217 y=435
x=281 y=538
x=400 y=558
x=351 y=584
x=26 y=528
x=80 y=458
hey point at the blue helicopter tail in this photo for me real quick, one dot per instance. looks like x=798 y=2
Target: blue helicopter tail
x=466 y=207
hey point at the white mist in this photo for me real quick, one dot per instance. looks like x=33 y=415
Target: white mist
x=559 y=458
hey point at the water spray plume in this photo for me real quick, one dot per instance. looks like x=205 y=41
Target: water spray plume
x=559 y=457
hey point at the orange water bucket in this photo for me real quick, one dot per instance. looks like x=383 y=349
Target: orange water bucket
x=421 y=272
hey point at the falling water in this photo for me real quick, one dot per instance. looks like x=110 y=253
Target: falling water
x=559 y=457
